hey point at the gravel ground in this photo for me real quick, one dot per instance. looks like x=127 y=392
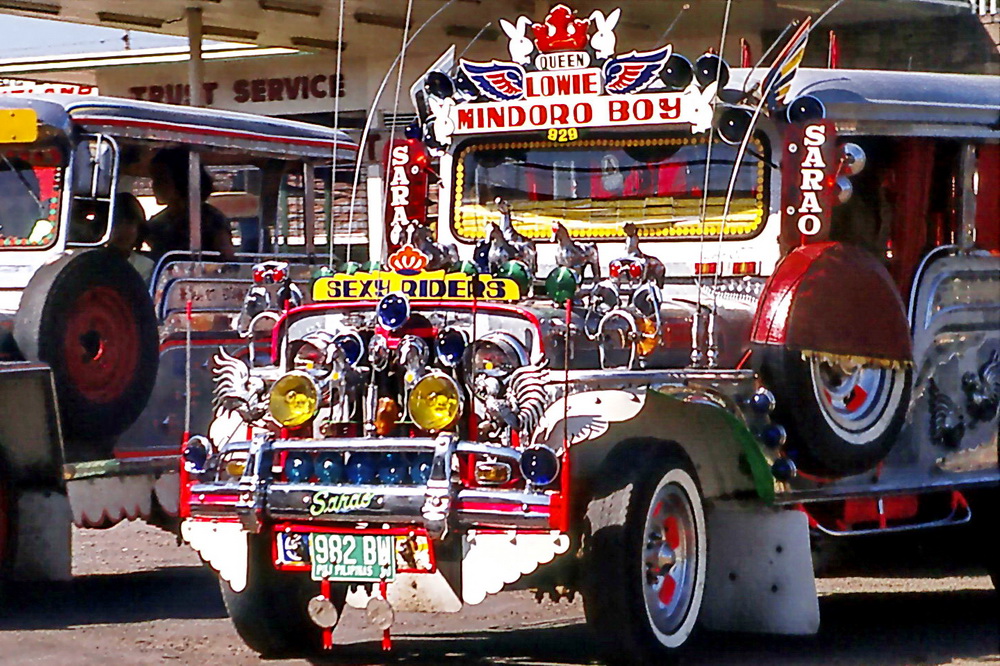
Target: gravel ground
x=139 y=598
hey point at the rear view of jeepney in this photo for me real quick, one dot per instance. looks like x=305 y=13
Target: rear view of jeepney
x=95 y=391
x=670 y=322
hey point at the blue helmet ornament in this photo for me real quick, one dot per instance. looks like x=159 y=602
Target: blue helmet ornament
x=393 y=311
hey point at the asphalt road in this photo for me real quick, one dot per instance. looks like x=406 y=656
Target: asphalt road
x=139 y=598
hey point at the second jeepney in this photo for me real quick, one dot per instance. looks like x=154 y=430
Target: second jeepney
x=673 y=319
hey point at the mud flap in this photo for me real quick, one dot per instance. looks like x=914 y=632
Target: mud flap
x=223 y=546
x=760 y=573
x=43 y=539
x=99 y=502
x=492 y=560
x=412 y=593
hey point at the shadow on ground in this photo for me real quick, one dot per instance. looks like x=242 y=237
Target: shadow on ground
x=860 y=629
x=185 y=592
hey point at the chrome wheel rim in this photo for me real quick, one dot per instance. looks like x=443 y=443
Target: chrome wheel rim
x=669 y=558
x=855 y=400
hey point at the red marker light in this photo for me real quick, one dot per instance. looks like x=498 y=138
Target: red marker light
x=635 y=270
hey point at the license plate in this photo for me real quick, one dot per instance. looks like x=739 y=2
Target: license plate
x=352 y=557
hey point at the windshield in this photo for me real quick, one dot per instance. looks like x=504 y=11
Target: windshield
x=30 y=192
x=594 y=187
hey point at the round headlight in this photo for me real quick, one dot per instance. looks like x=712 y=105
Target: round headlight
x=378 y=353
x=351 y=345
x=450 y=345
x=496 y=354
x=435 y=402
x=413 y=356
x=294 y=399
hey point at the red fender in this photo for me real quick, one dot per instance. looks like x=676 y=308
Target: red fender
x=833 y=298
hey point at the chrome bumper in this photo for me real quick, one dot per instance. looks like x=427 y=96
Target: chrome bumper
x=440 y=505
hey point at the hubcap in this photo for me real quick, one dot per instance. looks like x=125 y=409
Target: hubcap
x=669 y=558
x=853 y=399
x=101 y=345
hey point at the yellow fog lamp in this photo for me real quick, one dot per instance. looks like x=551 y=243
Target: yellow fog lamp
x=435 y=401
x=492 y=473
x=294 y=399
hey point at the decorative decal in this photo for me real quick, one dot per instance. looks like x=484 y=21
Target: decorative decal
x=809 y=173
x=326 y=502
x=407 y=260
x=500 y=81
x=634 y=71
x=406 y=208
x=587 y=416
x=575 y=81
x=436 y=285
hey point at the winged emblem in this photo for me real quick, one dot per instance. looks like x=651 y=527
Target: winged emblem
x=500 y=81
x=236 y=390
x=632 y=72
x=586 y=415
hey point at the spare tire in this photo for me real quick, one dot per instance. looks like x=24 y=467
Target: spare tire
x=88 y=315
x=842 y=416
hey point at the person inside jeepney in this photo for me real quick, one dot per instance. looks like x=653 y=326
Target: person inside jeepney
x=169 y=229
x=128 y=233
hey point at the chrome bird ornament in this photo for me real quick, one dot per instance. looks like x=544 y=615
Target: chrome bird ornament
x=236 y=390
x=575 y=256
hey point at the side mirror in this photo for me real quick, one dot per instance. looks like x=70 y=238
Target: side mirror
x=95 y=162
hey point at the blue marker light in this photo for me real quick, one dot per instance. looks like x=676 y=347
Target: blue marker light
x=360 y=469
x=298 y=467
x=539 y=465
x=330 y=468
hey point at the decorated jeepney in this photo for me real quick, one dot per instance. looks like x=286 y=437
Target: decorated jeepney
x=101 y=365
x=672 y=320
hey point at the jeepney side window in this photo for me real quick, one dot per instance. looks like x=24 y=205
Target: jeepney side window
x=236 y=193
x=594 y=188
x=31 y=186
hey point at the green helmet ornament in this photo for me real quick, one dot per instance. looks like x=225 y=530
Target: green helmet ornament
x=561 y=284
x=518 y=272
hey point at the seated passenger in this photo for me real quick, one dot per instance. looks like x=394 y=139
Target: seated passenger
x=170 y=228
x=128 y=231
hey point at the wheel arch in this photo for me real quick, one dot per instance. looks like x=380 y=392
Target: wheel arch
x=722 y=452
x=822 y=297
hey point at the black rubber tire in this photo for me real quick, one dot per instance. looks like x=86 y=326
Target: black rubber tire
x=270 y=613
x=614 y=575
x=8 y=527
x=815 y=443
x=985 y=506
x=105 y=376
